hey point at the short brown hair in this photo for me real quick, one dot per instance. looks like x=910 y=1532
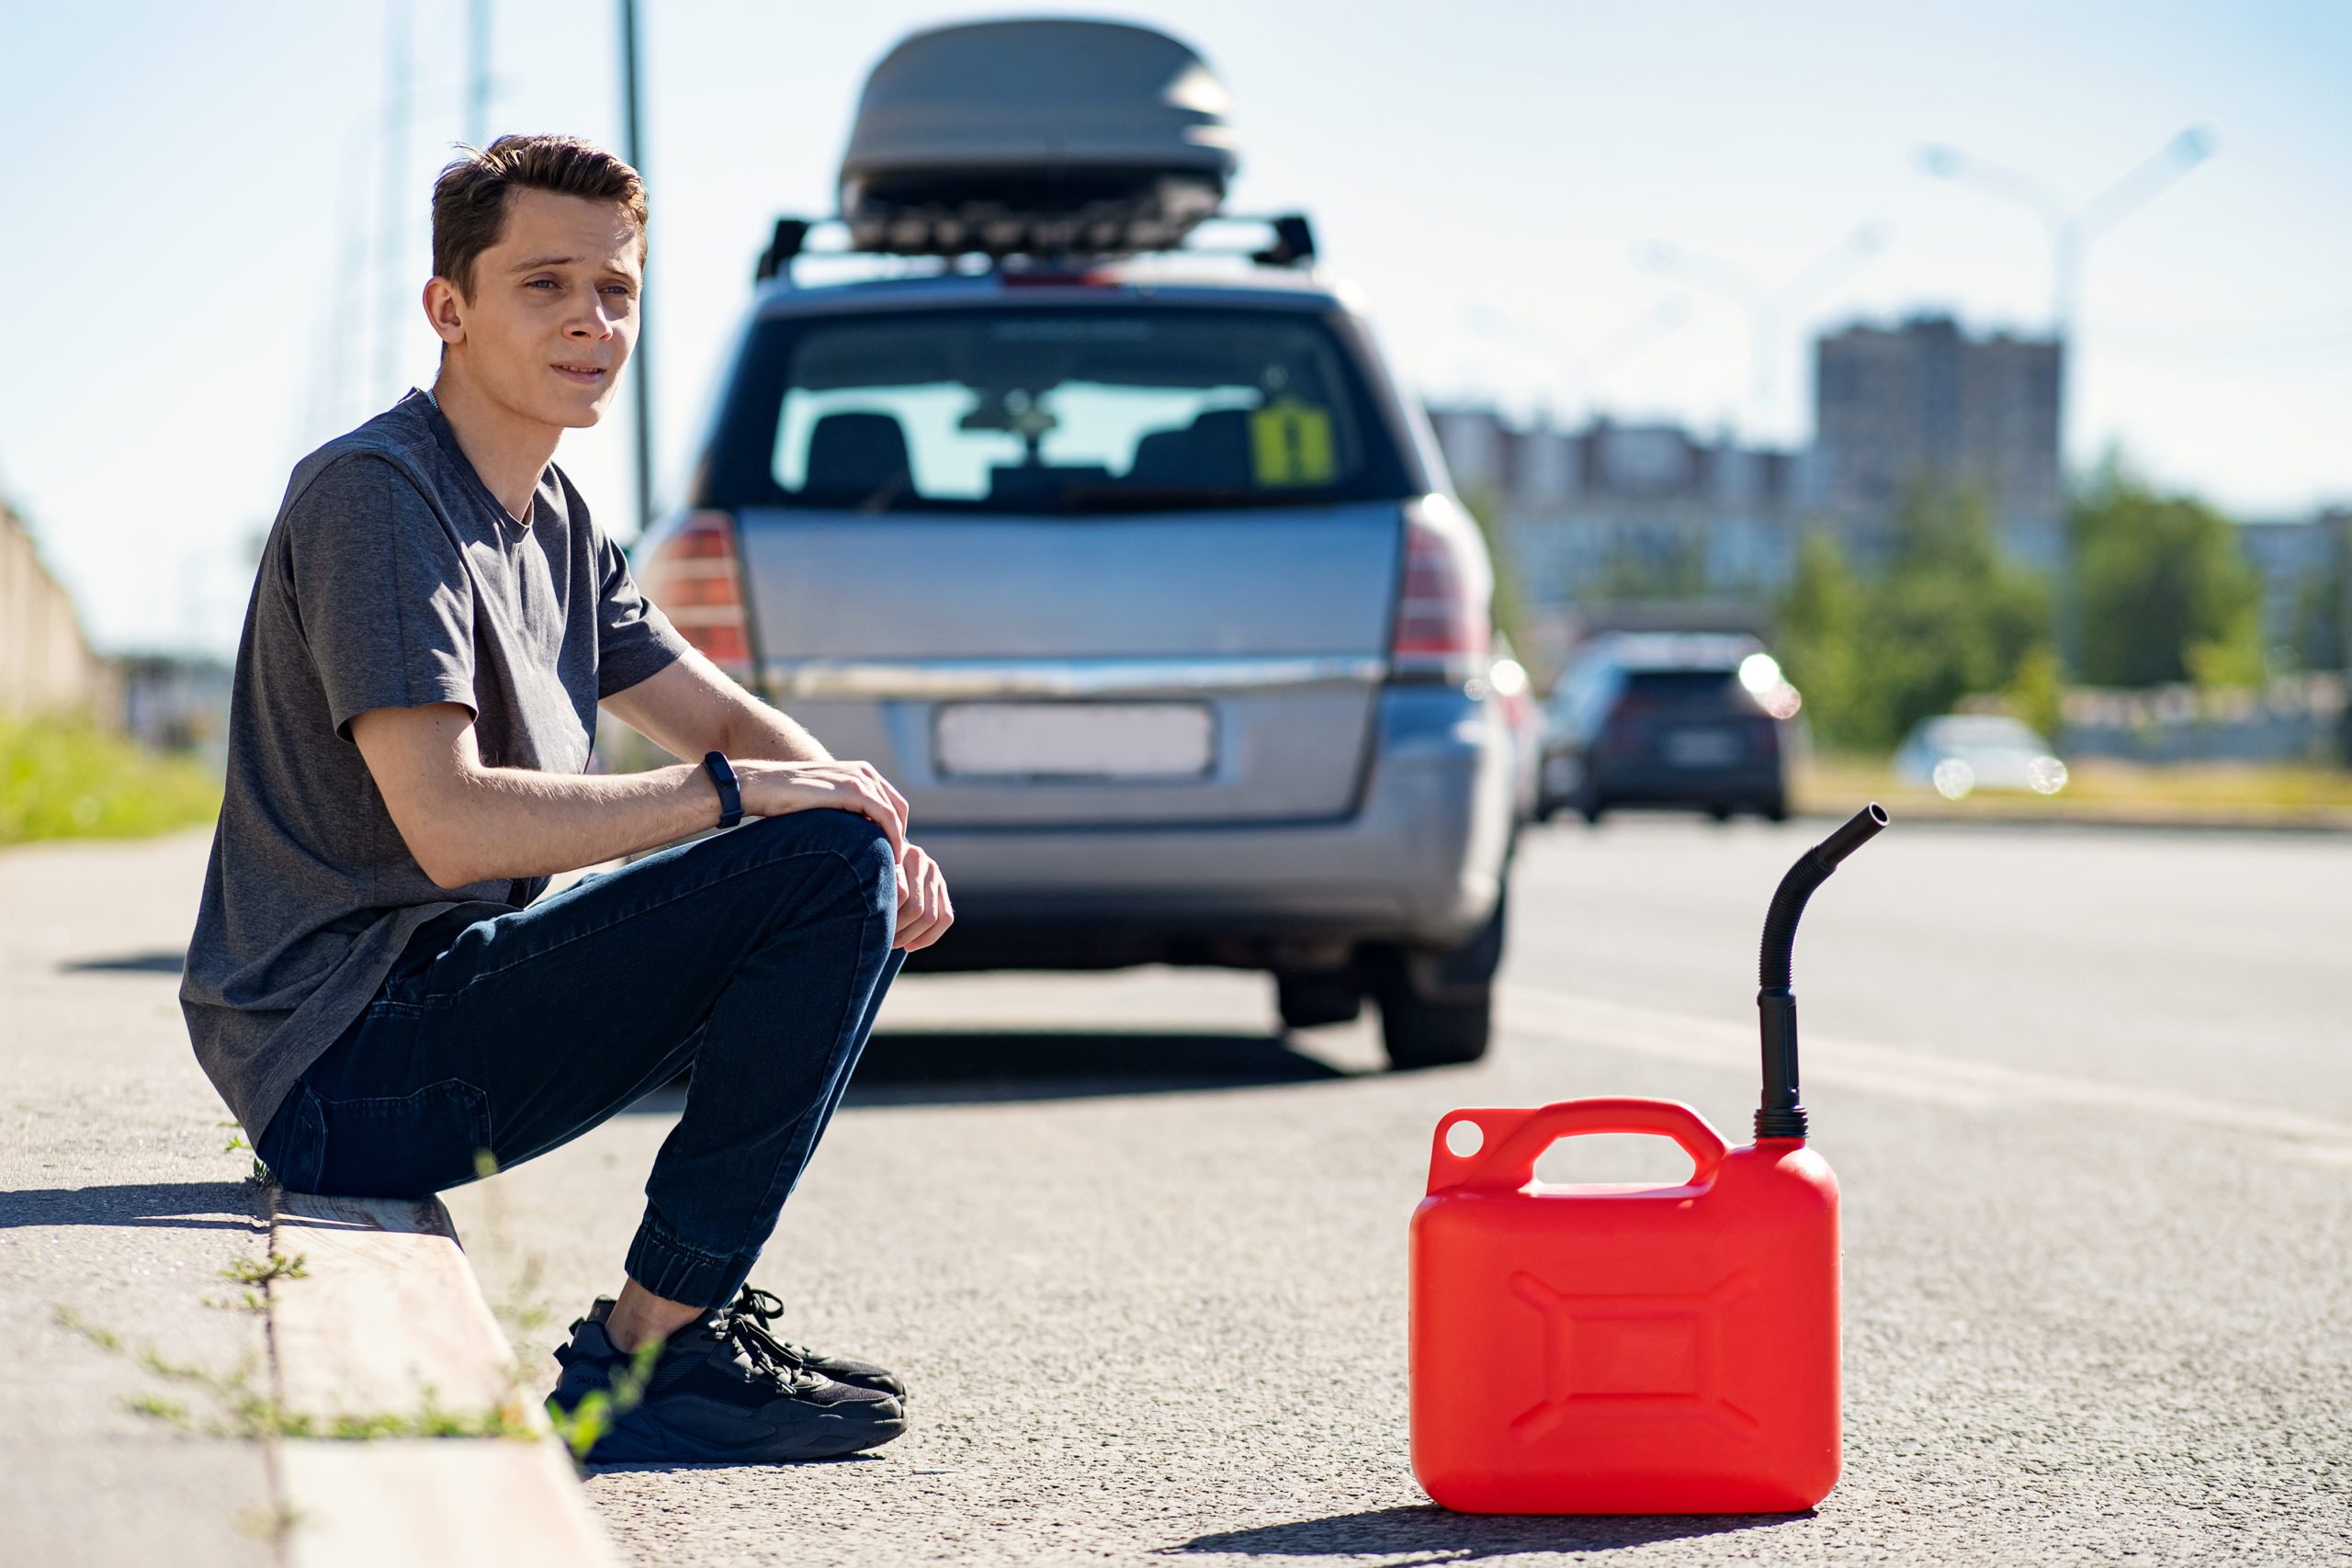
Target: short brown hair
x=469 y=197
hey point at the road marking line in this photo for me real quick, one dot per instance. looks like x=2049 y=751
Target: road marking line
x=1687 y=1037
x=1715 y=1042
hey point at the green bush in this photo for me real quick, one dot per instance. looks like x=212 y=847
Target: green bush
x=63 y=778
x=1946 y=617
x=2168 y=593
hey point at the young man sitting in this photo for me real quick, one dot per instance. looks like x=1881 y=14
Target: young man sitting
x=375 y=985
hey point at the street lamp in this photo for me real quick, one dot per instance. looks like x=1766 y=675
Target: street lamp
x=641 y=362
x=1767 y=307
x=2072 y=229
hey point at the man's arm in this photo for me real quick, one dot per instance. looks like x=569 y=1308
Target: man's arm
x=466 y=823
x=690 y=706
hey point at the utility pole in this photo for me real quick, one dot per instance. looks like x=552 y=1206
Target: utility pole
x=477 y=73
x=2072 y=228
x=1768 y=307
x=641 y=374
x=393 y=172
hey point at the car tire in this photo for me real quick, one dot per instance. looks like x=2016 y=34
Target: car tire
x=1418 y=1032
x=1436 y=1007
x=1774 y=809
x=1311 y=999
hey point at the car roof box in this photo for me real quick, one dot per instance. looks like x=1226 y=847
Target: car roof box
x=1037 y=137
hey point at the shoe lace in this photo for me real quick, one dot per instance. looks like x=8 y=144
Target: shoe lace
x=745 y=1332
x=763 y=1307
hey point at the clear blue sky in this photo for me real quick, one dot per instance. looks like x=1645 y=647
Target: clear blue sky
x=206 y=278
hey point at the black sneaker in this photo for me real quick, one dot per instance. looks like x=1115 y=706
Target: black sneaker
x=718 y=1392
x=764 y=1308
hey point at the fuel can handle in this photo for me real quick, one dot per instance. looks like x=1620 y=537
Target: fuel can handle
x=1513 y=1140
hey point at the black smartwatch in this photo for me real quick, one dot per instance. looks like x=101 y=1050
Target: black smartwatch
x=730 y=799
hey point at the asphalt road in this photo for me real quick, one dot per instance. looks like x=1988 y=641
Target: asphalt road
x=1143 y=1259
x=119 y=1204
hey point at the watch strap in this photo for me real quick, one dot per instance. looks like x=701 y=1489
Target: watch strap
x=730 y=796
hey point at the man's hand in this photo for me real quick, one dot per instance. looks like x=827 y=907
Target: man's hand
x=770 y=789
x=924 y=913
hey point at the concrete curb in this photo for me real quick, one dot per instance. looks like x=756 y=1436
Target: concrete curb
x=386 y=1317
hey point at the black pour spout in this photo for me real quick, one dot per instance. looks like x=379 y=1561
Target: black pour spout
x=1779 y=1115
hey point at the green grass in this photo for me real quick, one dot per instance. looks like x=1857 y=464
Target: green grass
x=2096 y=788
x=62 y=779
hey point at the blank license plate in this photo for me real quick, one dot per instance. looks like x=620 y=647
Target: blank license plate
x=1090 y=740
x=1701 y=748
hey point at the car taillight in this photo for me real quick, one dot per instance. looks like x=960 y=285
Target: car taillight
x=696 y=577
x=1442 y=604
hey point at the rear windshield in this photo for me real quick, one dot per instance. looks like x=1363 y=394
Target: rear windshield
x=1045 y=411
x=1688 y=689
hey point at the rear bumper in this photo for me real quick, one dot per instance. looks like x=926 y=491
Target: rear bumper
x=1421 y=862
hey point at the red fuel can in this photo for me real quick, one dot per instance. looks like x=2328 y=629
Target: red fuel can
x=1624 y=1350
x=1628 y=1348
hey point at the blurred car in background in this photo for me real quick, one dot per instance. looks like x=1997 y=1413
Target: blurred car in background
x=1959 y=753
x=1127 y=564
x=1667 y=719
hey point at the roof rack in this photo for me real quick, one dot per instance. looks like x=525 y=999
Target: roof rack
x=1074 y=237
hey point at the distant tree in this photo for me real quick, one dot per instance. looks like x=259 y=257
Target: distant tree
x=1818 y=636
x=1949 y=616
x=2165 y=588
x=2037 y=691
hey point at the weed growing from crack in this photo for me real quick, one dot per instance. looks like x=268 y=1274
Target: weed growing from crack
x=260 y=1176
x=245 y=1271
x=250 y=1300
x=275 y=1525
x=158 y=1407
x=244 y=1412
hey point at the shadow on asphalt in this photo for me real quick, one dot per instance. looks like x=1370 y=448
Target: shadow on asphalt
x=1442 y=1537
x=177 y=1205
x=160 y=962
x=936 y=1068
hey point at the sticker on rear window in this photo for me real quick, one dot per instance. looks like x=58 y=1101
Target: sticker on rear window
x=1290 y=444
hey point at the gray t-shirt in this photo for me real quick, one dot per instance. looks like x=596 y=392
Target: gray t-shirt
x=392 y=578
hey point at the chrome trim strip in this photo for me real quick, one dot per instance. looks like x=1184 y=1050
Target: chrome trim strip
x=1063 y=677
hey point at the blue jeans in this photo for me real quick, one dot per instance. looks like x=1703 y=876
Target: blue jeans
x=760 y=955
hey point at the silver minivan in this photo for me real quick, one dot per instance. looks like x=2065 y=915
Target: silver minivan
x=1142 y=583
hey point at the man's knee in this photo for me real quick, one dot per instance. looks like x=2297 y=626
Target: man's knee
x=858 y=849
